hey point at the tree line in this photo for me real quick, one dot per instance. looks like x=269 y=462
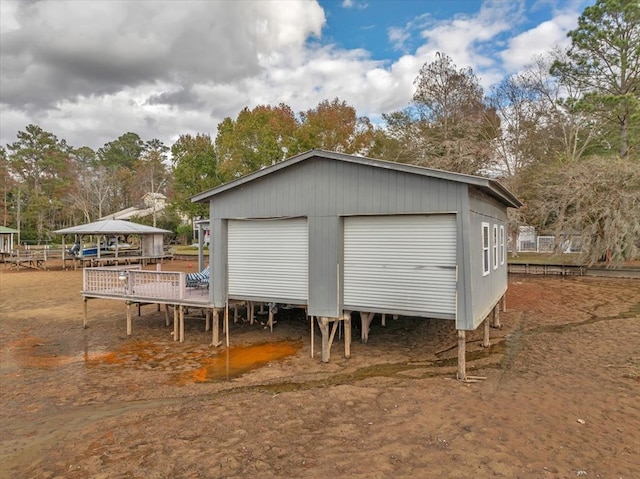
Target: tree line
x=563 y=135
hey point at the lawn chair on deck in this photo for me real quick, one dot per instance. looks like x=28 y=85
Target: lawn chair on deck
x=195 y=280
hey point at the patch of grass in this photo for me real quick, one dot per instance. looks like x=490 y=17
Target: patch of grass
x=188 y=250
x=544 y=258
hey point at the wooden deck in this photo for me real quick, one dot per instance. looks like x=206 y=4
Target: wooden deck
x=25 y=259
x=112 y=260
x=134 y=286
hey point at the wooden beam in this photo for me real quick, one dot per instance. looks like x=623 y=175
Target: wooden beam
x=166 y=314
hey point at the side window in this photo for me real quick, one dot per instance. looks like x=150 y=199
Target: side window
x=502 y=248
x=495 y=246
x=485 y=249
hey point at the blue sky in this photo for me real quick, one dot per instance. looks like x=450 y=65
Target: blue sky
x=92 y=70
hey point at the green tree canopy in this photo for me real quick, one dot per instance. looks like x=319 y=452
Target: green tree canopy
x=335 y=126
x=256 y=138
x=604 y=61
x=195 y=169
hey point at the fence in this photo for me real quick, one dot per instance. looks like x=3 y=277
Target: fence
x=532 y=243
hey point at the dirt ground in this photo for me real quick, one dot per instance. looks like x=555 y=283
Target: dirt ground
x=560 y=399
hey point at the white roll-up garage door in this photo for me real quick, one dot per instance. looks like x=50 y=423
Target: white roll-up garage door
x=403 y=263
x=268 y=259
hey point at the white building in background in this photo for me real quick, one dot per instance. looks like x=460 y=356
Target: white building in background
x=152 y=203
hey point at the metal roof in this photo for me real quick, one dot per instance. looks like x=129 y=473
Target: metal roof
x=491 y=187
x=111 y=227
x=5 y=230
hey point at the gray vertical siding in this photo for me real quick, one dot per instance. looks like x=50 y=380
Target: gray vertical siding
x=325 y=190
x=325 y=243
x=486 y=291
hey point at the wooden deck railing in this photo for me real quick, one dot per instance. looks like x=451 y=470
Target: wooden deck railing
x=131 y=281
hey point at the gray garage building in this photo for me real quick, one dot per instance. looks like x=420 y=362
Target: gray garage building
x=339 y=233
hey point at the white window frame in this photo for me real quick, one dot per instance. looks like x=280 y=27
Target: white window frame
x=502 y=245
x=495 y=246
x=486 y=260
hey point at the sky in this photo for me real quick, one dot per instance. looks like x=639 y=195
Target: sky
x=89 y=71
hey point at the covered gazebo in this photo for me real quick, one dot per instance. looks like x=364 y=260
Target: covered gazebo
x=151 y=238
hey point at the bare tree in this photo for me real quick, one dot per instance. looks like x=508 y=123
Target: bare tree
x=599 y=198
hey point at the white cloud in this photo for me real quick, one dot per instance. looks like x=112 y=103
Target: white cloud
x=360 y=5
x=91 y=71
x=538 y=40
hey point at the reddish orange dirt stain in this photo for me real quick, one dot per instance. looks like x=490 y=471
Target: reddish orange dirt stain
x=238 y=360
x=225 y=365
x=137 y=352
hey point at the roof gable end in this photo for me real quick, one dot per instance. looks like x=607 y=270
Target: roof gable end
x=492 y=187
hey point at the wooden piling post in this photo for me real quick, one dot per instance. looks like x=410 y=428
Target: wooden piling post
x=207 y=320
x=226 y=324
x=462 y=365
x=84 y=319
x=366 y=324
x=181 y=324
x=128 y=318
x=347 y=334
x=324 y=329
x=485 y=333
x=215 y=342
x=496 y=316
x=504 y=303
x=166 y=314
x=175 y=322
x=313 y=328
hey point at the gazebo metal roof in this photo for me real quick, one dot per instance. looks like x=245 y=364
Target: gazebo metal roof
x=115 y=227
